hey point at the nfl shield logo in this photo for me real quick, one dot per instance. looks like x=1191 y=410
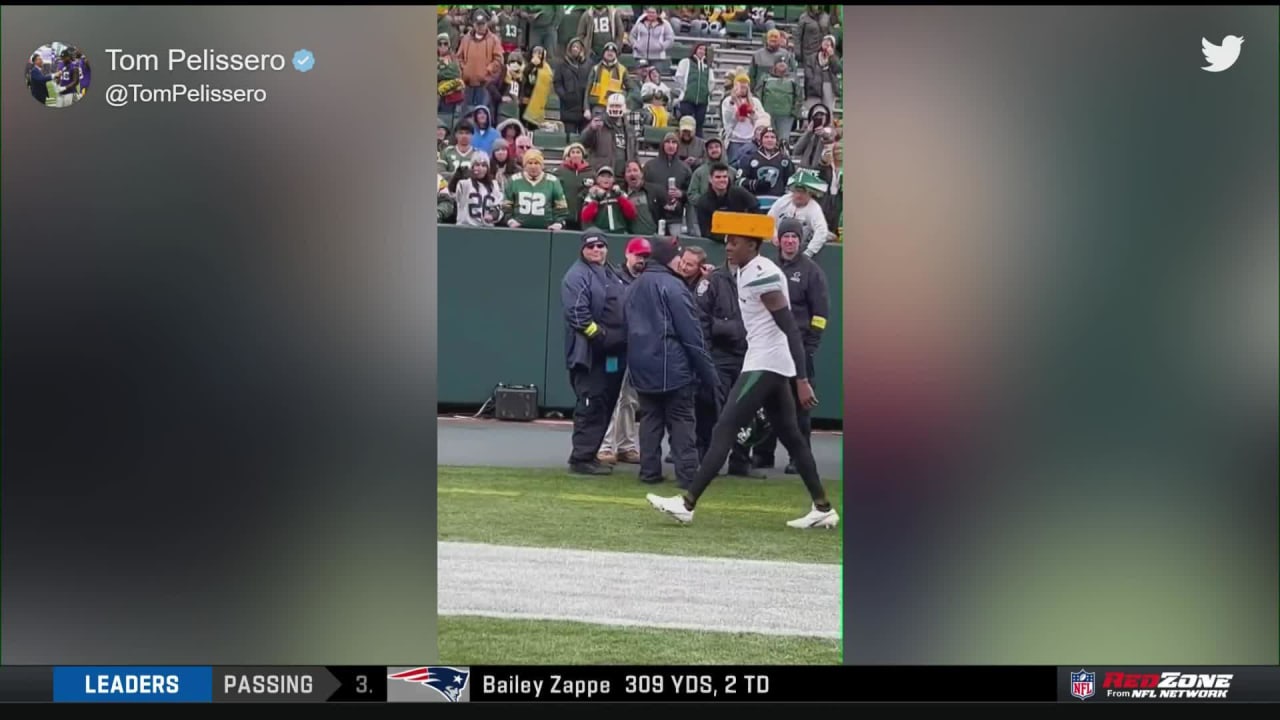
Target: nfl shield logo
x=1082 y=684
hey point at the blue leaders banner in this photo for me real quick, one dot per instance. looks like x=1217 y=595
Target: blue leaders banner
x=133 y=684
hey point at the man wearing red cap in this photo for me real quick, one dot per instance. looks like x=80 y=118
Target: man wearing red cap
x=622 y=439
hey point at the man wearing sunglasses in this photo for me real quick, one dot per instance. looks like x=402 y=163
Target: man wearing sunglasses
x=595 y=343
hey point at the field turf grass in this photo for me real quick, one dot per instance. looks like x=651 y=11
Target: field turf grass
x=490 y=641
x=737 y=517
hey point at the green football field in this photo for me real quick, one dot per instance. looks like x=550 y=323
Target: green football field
x=492 y=641
x=738 y=518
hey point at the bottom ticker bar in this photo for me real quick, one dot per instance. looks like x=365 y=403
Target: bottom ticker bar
x=700 y=683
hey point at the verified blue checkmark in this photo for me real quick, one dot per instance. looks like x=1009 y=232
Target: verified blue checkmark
x=303 y=60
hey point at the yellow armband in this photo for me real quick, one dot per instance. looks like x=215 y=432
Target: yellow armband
x=591 y=330
x=818 y=322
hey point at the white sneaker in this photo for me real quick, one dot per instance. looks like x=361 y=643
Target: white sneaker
x=673 y=506
x=816 y=519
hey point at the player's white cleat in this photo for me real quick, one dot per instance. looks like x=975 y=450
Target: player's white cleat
x=816 y=519
x=673 y=506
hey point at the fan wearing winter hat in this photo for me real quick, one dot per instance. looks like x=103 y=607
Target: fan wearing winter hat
x=607 y=77
x=606 y=206
x=480 y=58
x=480 y=199
x=738 y=114
x=535 y=199
x=767 y=170
x=442 y=137
x=448 y=76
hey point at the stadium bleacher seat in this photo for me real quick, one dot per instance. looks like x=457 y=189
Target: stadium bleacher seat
x=551 y=142
x=653 y=135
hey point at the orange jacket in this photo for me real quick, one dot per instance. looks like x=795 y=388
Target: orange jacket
x=480 y=60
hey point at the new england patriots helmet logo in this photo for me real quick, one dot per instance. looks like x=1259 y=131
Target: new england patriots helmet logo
x=448 y=681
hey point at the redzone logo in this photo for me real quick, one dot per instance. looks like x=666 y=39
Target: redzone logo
x=1166 y=681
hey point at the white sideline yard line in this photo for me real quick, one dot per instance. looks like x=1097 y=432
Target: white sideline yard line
x=639 y=590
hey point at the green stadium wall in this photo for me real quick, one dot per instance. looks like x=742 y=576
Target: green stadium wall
x=501 y=320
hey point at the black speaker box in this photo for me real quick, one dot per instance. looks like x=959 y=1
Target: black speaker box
x=515 y=402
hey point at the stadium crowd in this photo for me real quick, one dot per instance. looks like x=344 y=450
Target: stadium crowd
x=628 y=140
x=600 y=132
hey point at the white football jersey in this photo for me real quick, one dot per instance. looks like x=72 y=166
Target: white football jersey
x=767 y=347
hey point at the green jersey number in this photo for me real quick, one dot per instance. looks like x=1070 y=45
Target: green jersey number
x=532 y=203
x=602 y=24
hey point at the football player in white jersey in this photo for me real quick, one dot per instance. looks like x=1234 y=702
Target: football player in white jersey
x=773 y=378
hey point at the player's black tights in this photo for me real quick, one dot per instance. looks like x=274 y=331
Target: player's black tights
x=754 y=390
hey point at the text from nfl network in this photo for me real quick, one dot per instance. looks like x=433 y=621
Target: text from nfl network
x=176 y=76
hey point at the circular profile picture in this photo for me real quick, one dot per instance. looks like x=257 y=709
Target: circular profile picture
x=58 y=74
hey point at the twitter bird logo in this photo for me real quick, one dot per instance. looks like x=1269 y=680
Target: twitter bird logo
x=1221 y=57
